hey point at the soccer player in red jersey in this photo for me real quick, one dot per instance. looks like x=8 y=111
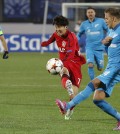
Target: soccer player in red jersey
x=69 y=54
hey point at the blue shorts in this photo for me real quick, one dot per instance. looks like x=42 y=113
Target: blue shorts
x=110 y=77
x=95 y=56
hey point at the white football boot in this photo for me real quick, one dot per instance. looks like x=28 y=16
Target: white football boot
x=68 y=114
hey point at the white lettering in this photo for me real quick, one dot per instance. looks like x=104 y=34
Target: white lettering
x=34 y=44
x=94 y=33
x=61 y=49
x=24 y=41
x=15 y=44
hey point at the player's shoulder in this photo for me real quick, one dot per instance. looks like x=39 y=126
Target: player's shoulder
x=117 y=30
x=100 y=19
x=55 y=35
x=85 y=22
x=72 y=34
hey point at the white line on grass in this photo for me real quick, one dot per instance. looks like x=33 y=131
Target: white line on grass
x=33 y=85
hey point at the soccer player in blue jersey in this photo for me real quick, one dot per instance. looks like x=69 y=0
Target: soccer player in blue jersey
x=102 y=86
x=94 y=28
x=3 y=41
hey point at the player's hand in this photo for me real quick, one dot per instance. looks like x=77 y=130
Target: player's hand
x=5 y=55
x=107 y=40
x=44 y=44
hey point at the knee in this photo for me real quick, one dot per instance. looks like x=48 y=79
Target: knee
x=64 y=71
x=90 y=65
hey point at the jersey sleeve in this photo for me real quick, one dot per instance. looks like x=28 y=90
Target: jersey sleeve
x=50 y=40
x=81 y=31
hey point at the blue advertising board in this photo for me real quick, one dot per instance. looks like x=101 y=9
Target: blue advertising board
x=28 y=43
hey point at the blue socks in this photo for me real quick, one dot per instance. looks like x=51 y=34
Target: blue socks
x=81 y=96
x=91 y=73
x=106 y=107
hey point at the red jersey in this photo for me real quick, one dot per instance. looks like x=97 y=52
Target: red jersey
x=69 y=54
x=68 y=47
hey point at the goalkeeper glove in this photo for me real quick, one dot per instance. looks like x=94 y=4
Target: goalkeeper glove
x=5 y=55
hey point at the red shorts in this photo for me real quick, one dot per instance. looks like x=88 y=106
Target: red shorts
x=74 y=69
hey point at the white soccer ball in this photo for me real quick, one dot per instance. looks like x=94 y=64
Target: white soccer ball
x=54 y=66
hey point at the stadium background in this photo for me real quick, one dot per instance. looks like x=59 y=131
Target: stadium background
x=22 y=22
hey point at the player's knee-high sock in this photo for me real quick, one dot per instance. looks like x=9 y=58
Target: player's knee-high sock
x=67 y=84
x=106 y=107
x=81 y=96
x=91 y=72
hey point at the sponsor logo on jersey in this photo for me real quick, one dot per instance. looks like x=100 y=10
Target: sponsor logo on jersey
x=113 y=45
x=106 y=73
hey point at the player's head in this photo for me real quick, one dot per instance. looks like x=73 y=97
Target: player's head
x=61 y=23
x=112 y=17
x=90 y=13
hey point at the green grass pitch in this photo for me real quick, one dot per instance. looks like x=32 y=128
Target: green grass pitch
x=27 y=100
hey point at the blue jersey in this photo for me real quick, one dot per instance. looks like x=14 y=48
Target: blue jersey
x=94 y=32
x=114 y=47
x=111 y=75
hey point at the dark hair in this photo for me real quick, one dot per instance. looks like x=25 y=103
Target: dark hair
x=60 y=21
x=91 y=8
x=113 y=12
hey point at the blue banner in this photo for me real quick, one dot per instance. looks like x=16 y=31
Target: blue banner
x=28 y=43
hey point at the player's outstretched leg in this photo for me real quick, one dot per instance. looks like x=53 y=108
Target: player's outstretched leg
x=67 y=84
x=106 y=107
x=63 y=106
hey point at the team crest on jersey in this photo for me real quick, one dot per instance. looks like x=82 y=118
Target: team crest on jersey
x=63 y=43
x=96 y=25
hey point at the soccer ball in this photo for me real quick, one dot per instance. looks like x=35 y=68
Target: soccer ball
x=54 y=66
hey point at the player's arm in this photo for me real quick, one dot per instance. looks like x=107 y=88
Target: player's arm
x=46 y=43
x=78 y=53
x=3 y=41
x=81 y=31
x=107 y=40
